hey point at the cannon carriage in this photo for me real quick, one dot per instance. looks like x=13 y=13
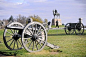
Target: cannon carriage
x=32 y=37
x=78 y=28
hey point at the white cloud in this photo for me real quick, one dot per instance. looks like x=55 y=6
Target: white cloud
x=19 y=3
x=34 y=1
x=40 y=0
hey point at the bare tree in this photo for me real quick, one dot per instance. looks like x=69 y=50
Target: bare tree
x=21 y=19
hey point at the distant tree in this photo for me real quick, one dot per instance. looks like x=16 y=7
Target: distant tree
x=11 y=19
x=21 y=19
x=36 y=18
x=45 y=21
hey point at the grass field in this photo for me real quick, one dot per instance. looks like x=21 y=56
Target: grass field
x=70 y=46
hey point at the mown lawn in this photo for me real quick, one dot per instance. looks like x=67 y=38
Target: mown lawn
x=70 y=46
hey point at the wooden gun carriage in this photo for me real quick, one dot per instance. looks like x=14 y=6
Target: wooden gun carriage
x=78 y=28
x=33 y=37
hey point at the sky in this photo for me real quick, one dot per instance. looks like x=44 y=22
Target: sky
x=70 y=10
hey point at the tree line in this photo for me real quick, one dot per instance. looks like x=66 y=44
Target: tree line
x=22 y=19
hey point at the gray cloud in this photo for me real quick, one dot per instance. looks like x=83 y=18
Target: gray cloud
x=1 y=8
x=81 y=1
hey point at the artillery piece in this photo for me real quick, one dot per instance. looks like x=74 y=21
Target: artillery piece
x=78 y=28
x=33 y=37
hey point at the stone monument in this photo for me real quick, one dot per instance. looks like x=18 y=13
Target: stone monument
x=56 y=18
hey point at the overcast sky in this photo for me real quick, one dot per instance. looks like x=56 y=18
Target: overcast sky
x=70 y=10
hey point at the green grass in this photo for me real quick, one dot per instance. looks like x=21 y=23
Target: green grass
x=53 y=26
x=70 y=46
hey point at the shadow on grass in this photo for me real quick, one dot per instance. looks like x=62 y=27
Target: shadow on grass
x=55 y=34
x=84 y=33
x=8 y=53
x=12 y=52
x=60 y=34
x=63 y=34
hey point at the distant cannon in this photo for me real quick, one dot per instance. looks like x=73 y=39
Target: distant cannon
x=78 y=28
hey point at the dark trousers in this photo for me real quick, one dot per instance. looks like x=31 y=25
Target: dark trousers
x=57 y=25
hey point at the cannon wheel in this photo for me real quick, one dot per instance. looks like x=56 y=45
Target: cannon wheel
x=34 y=37
x=11 y=37
x=68 y=29
x=79 y=29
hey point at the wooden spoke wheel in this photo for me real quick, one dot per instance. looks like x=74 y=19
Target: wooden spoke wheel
x=34 y=37
x=79 y=29
x=68 y=29
x=11 y=37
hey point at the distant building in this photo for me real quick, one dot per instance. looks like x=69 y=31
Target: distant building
x=6 y=22
x=2 y=24
x=54 y=21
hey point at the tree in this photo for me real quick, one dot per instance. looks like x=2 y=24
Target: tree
x=11 y=19
x=21 y=19
x=36 y=18
x=45 y=21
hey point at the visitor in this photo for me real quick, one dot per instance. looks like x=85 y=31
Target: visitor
x=57 y=24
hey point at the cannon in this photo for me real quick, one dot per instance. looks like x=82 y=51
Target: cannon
x=32 y=37
x=78 y=28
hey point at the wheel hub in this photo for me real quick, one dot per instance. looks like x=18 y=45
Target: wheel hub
x=16 y=37
x=79 y=29
x=34 y=37
x=69 y=28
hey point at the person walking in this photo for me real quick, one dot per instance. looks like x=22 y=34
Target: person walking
x=49 y=24
x=57 y=24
